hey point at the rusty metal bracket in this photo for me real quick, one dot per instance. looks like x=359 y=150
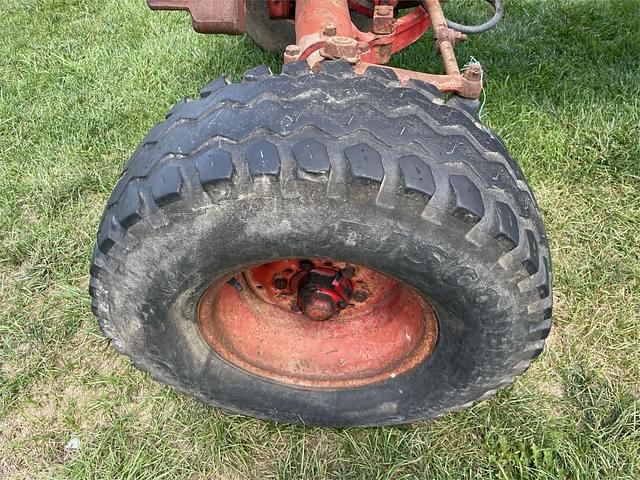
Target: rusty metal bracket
x=468 y=85
x=445 y=34
x=341 y=48
x=384 y=22
x=325 y=32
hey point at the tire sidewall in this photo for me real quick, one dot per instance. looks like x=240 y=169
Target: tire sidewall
x=477 y=302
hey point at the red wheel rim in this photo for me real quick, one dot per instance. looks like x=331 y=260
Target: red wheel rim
x=317 y=323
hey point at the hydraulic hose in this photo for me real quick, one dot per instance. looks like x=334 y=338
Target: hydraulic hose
x=473 y=29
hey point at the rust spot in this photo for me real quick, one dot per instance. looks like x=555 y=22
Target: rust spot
x=391 y=332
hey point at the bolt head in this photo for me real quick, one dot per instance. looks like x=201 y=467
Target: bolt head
x=473 y=73
x=363 y=47
x=348 y=272
x=330 y=30
x=360 y=296
x=292 y=50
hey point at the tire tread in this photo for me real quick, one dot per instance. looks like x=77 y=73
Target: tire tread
x=156 y=178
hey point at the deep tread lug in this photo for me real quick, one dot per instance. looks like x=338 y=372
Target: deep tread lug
x=543 y=289
x=180 y=102
x=337 y=67
x=506 y=229
x=296 y=69
x=417 y=175
x=364 y=162
x=95 y=306
x=190 y=110
x=467 y=201
x=532 y=260
x=469 y=105
x=257 y=73
x=165 y=185
x=128 y=207
x=111 y=232
x=213 y=166
x=93 y=285
x=157 y=131
x=119 y=188
x=263 y=158
x=218 y=84
x=540 y=331
x=312 y=156
x=425 y=87
x=381 y=73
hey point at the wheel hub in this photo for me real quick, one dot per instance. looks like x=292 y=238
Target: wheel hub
x=322 y=293
x=317 y=323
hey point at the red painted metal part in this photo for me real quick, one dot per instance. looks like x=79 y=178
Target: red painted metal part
x=209 y=16
x=313 y=17
x=280 y=9
x=467 y=84
x=265 y=280
x=312 y=20
x=325 y=32
x=385 y=330
x=408 y=30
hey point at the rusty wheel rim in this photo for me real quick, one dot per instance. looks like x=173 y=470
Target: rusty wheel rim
x=317 y=323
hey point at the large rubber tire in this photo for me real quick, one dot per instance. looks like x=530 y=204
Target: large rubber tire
x=401 y=182
x=275 y=35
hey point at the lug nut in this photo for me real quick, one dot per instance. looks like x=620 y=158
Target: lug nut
x=292 y=50
x=360 y=296
x=348 y=272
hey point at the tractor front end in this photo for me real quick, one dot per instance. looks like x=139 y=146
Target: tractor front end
x=340 y=244
x=324 y=30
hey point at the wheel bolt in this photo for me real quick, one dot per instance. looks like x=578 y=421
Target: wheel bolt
x=360 y=296
x=292 y=50
x=330 y=30
x=348 y=272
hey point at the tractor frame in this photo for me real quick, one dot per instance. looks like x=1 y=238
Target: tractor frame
x=325 y=32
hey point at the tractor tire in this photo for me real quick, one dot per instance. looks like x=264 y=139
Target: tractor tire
x=275 y=35
x=359 y=169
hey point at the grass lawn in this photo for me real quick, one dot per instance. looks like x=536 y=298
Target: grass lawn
x=81 y=81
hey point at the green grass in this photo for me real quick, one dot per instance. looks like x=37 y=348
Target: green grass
x=81 y=81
